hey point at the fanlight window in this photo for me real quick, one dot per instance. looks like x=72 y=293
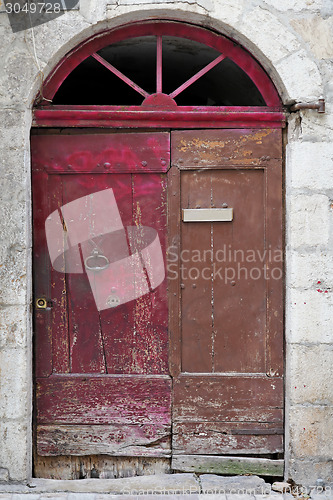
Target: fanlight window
x=159 y=70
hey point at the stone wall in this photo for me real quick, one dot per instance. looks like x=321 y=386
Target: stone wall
x=293 y=40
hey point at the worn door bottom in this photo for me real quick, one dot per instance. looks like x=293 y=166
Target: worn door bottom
x=98 y=466
x=106 y=467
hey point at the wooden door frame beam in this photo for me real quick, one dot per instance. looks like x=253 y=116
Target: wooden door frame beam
x=145 y=117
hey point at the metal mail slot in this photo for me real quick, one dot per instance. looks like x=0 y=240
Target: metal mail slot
x=207 y=214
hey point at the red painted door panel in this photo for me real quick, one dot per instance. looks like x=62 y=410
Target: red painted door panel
x=102 y=379
x=228 y=365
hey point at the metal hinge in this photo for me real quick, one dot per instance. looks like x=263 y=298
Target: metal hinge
x=319 y=105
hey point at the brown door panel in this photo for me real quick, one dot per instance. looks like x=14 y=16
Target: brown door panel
x=229 y=363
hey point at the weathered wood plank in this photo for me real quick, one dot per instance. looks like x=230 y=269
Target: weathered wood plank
x=104 y=399
x=119 y=440
x=275 y=347
x=196 y=281
x=173 y=256
x=215 y=398
x=103 y=153
x=41 y=273
x=87 y=352
x=98 y=466
x=220 y=148
x=240 y=301
x=227 y=465
x=60 y=299
x=150 y=325
x=116 y=322
x=217 y=438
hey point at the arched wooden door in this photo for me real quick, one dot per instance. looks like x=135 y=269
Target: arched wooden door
x=158 y=264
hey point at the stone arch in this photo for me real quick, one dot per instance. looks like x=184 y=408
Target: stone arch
x=258 y=82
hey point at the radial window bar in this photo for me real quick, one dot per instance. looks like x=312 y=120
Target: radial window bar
x=120 y=75
x=159 y=75
x=159 y=64
x=196 y=77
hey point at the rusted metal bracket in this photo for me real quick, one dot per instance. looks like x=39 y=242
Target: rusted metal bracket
x=320 y=105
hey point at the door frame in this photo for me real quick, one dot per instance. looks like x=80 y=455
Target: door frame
x=139 y=118
x=215 y=463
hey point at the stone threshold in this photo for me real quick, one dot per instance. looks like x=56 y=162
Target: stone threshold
x=161 y=484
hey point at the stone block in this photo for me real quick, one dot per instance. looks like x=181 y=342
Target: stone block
x=313 y=270
x=296 y=6
x=4 y=475
x=15 y=84
x=177 y=484
x=15 y=449
x=311 y=432
x=309 y=316
x=66 y=31
x=310 y=165
x=318 y=33
x=14 y=133
x=161 y=484
x=284 y=40
x=281 y=487
x=32 y=496
x=8 y=37
x=14 y=382
x=206 y=4
x=83 y=496
x=210 y=496
x=13 y=276
x=93 y=11
x=228 y=11
x=12 y=223
x=184 y=11
x=323 y=490
x=13 y=253
x=14 y=326
x=14 y=191
x=235 y=485
x=307 y=220
x=274 y=496
x=15 y=169
x=311 y=375
x=300 y=76
x=306 y=472
x=318 y=127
